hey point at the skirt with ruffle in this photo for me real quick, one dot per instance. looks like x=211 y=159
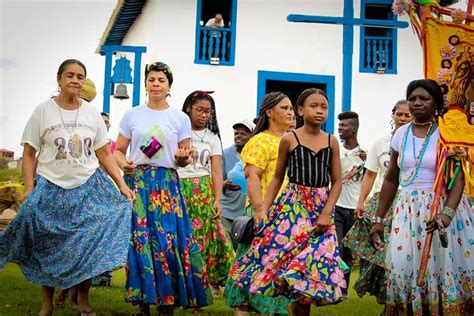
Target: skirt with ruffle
x=235 y=295
x=62 y=237
x=449 y=285
x=213 y=239
x=164 y=265
x=288 y=257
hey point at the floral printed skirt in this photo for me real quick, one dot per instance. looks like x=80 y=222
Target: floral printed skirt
x=235 y=295
x=289 y=257
x=214 y=241
x=164 y=264
x=372 y=263
x=62 y=237
x=449 y=285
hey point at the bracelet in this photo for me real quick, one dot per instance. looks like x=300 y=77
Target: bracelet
x=377 y=220
x=448 y=211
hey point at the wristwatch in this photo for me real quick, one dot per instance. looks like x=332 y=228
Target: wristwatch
x=377 y=220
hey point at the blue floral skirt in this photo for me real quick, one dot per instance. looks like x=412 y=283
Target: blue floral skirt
x=62 y=237
x=164 y=265
x=288 y=257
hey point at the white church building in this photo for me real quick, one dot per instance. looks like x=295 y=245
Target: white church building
x=357 y=50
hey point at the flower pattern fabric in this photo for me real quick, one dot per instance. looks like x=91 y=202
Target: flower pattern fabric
x=262 y=151
x=214 y=242
x=164 y=264
x=62 y=237
x=235 y=295
x=289 y=257
x=450 y=271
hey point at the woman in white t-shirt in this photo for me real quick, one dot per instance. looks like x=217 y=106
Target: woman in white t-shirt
x=372 y=267
x=59 y=238
x=201 y=184
x=164 y=264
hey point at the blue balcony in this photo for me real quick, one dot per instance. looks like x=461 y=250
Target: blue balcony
x=377 y=55
x=214 y=46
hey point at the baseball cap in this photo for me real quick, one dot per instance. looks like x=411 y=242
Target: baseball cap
x=244 y=123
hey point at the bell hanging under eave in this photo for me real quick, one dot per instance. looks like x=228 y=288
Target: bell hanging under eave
x=121 y=92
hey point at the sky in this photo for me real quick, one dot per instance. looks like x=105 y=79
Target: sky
x=35 y=37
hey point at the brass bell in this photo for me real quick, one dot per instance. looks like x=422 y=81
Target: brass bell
x=121 y=92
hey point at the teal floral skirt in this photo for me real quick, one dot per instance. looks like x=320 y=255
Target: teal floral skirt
x=288 y=257
x=164 y=264
x=214 y=241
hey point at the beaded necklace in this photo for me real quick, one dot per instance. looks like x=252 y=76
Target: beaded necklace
x=414 y=172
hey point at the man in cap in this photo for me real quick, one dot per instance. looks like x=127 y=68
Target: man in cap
x=234 y=195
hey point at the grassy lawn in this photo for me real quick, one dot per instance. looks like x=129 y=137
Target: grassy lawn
x=20 y=297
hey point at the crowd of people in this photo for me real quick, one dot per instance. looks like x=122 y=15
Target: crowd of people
x=315 y=206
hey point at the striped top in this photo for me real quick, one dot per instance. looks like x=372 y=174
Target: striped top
x=308 y=168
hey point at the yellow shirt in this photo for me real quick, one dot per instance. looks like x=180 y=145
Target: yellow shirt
x=262 y=151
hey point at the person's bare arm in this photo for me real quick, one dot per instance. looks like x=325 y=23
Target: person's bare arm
x=452 y=201
x=217 y=180
x=121 y=146
x=28 y=168
x=387 y=194
x=280 y=171
x=365 y=188
x=254 y=186
x=108 y=163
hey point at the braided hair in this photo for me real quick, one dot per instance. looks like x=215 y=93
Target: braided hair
x=269 y=101
x=199 y=95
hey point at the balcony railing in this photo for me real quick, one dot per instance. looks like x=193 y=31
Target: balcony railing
x=214 y=46
x=378 y=54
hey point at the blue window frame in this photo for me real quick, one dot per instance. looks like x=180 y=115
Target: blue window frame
x=378 y=45
x=215 y=46
x=292 y=84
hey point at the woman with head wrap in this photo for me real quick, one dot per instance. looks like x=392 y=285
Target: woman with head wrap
x=164 y=264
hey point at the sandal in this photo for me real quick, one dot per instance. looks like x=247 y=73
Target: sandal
x=87 y=312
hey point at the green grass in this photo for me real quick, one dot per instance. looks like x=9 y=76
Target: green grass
x=13 y=175
x=20 y=297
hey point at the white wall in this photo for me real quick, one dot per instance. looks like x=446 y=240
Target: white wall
x=266 y=41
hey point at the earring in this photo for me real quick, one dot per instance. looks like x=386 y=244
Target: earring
x=168 y=94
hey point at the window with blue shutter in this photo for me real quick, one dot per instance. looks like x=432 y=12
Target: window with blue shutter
x=378 y=45
x=215 y=42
